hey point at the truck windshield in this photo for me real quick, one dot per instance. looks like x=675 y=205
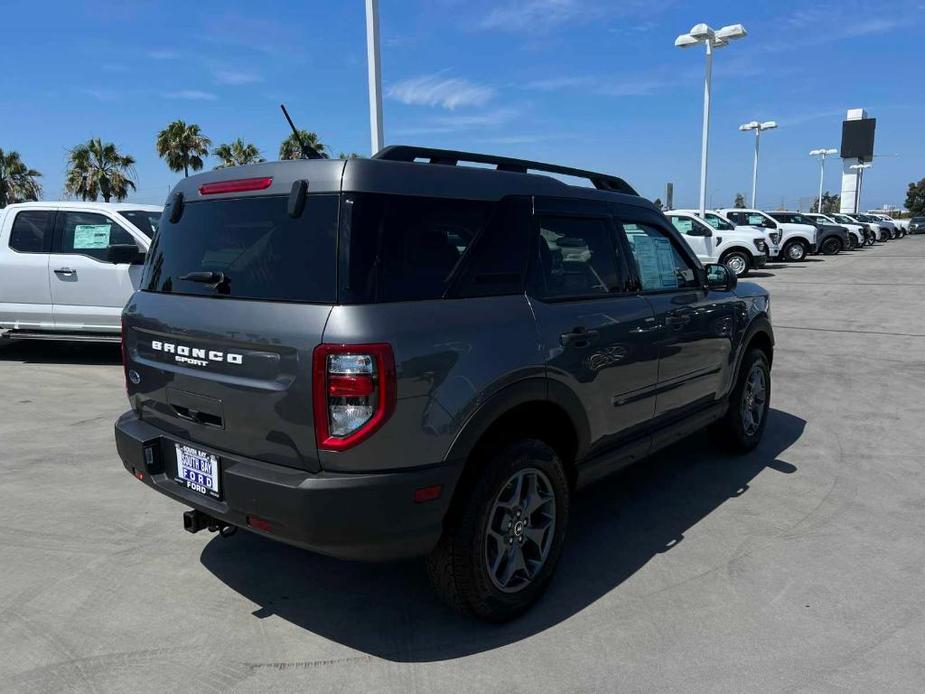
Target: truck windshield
x=248 y=248
x=146 y=221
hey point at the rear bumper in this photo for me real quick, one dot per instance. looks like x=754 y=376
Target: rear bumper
x=349 y=516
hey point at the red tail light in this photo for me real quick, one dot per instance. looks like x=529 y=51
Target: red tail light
x=240 y=185
x=354 y=392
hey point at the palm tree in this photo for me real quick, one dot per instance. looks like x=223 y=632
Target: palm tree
x=96 y=168
x=291 y=148
x=183 y=146
x=237 y=153
x=17 y=181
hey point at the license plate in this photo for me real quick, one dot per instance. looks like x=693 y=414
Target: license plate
x=198 y=470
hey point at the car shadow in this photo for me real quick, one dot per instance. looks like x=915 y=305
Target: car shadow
x=48 y=352
x=758 y=274
x=616 y=527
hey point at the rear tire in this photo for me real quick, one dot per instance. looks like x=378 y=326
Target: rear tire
x=795 y=251
x=502 y=539
x=742 y=427
x=737 y=261
x=832 y=246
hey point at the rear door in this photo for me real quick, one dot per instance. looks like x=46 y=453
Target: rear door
x=598 y=338
x=89 y=291
x=696 y=325
x=234 y=299
x=25 y=295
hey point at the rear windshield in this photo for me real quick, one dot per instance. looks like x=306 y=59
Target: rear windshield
x=146 y=221
x=248 y=248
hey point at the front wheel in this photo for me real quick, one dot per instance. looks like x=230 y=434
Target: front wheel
x=795 y=251
x=743 y=425
x=503 y=536
x=737 y=261
x=831 y=246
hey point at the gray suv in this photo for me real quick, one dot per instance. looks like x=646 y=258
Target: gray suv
x=413 y=356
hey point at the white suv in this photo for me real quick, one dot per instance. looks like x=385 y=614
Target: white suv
x=67 y=268
x=741 y=248
x=796 y=240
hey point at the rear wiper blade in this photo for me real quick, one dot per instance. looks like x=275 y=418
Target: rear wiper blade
x=204 y=277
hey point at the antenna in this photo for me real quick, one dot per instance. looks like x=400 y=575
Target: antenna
x=307 y=152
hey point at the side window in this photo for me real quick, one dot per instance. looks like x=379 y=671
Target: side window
x=576 y=258
x=31 y=232
x=684 y=225
x=660 y=265
x=88 y=233
x=404 y=248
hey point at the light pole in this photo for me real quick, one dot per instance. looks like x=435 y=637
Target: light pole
x=758 y=128
x=375 y=74
x=822 y=154
x=860 y=169
x=701 y=33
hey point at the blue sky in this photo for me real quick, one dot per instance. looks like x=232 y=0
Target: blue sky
x=586 y=83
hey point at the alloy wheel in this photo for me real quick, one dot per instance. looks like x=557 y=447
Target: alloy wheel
x=754 y=397
x=520 y=530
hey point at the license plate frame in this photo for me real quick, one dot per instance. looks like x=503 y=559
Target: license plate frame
x=198 y=470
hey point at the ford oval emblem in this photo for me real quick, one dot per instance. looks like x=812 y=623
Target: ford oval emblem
x=134 y=377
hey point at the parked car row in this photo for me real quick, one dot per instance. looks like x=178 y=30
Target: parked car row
x=746 y=239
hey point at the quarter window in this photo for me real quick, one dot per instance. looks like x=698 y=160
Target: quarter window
x=576 y=258
x=90 y=234
x=31 y=232
x=659 y=264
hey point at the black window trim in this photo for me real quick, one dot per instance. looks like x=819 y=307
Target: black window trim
x=48 y=239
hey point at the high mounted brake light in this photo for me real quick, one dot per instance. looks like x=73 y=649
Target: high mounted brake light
x=353 y=392
x=240 y=185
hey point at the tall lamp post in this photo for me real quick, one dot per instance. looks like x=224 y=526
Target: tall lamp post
x=701 y=33
x=758 y=128
x=822 y=154
x=375 y=74
x=860 y=169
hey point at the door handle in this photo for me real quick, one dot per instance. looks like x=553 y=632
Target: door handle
x=578 y=337
x=66 y=271
x=678 y=321
x=639 y=330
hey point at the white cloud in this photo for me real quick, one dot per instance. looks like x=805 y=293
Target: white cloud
x=639 y=86
x=456 y=123
x=237 y=77
x=190 y=95
x=437 y=90
x=532 y=15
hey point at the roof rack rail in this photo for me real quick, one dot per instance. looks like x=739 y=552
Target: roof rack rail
x=451 y=157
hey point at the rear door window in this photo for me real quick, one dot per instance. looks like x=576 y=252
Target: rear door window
x=248 y=248
x=577 y=259
x=31 y=232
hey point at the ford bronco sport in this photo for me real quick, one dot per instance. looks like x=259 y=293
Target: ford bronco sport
x=408 y=355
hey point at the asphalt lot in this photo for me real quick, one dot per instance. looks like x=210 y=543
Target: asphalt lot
x=799 y=568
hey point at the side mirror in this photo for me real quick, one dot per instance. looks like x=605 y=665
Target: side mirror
x=721 y=277
x=121 y=253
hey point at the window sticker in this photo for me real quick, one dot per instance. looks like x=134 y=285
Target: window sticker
x=665 y=262
x=646 y=260
x=683 y=224
x=90 y=236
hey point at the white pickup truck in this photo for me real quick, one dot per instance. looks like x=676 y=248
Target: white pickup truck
x=796 y=240
x=67 y=268
x=741 y=248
